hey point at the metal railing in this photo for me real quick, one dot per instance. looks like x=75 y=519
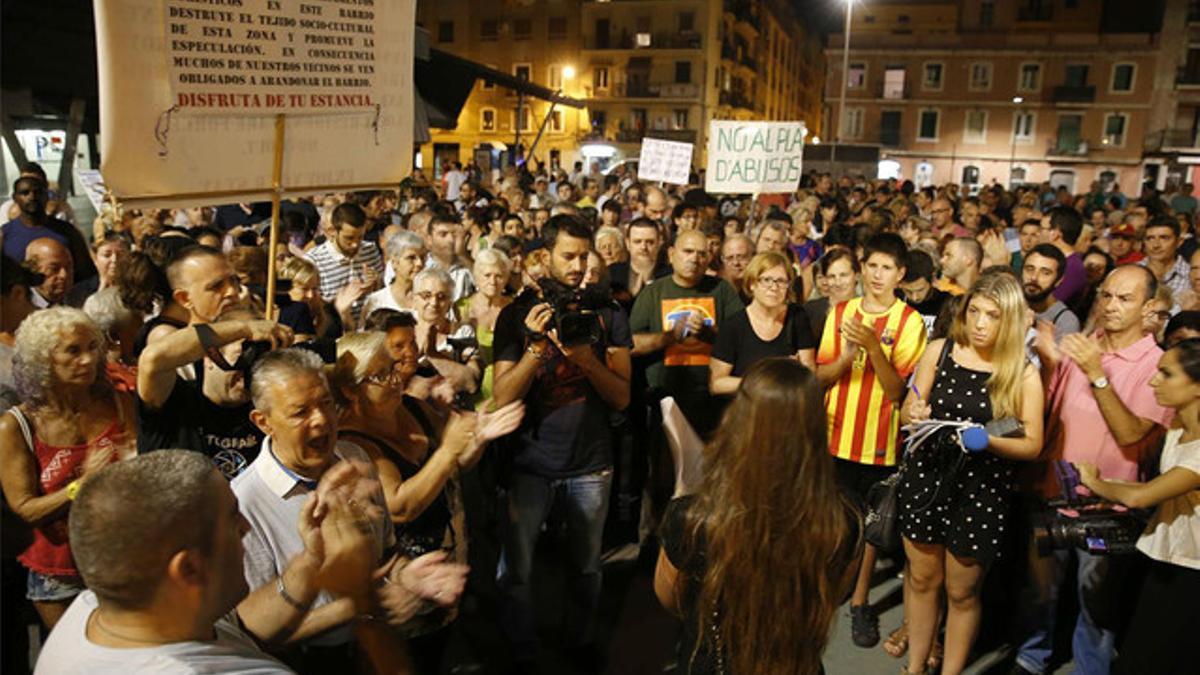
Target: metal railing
x=1074 y=94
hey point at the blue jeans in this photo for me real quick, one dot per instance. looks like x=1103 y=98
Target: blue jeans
x=531 y=500
x=1092 y=646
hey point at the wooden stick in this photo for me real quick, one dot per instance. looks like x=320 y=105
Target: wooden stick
x=276 y=191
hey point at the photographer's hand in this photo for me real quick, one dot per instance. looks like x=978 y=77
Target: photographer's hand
x=277 y=334
x=539 y=318
x=580 y=355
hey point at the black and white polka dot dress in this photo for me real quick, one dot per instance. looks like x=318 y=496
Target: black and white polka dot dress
x=967 y=513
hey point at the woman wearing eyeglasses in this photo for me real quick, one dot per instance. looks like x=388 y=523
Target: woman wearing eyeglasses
x=418 y=453
x=769 y=326
x=448 y=344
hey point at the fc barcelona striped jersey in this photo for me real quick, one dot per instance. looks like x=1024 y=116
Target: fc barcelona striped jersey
x=864 y=424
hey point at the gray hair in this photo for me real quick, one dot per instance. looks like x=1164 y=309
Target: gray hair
x=355 y=352
x=130 y=518
x=492 y=257
x=777 y=225
x=276 y=368
x=105 y=308
x=36 y=339
x=609 y=232
x=440 y=275
x=399 y=242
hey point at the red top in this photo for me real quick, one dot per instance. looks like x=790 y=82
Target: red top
x=50 y=552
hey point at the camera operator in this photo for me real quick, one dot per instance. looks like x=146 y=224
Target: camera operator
x=563 y=451
x=210 y=415
x=1168 y=605
x=1102 y=411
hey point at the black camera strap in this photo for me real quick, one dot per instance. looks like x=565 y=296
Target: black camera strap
x=211 y=345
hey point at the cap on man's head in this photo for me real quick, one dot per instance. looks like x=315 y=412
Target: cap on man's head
x=1123 y=230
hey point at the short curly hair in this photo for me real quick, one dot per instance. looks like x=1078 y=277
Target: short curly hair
x=35 y=341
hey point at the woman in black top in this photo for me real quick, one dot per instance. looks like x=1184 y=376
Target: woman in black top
x=769 y=326
x=758 y=561
x=418 y=453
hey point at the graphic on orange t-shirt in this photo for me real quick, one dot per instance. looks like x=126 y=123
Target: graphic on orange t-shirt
x=691 y=352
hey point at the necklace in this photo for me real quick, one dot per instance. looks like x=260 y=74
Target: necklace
x=100 y=624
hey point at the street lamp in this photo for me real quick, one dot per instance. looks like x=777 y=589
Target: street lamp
x=837 y=132
x=1012 y=157
x=568 y=72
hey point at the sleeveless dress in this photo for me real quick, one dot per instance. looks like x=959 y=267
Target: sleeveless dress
x=58 y=465
x=948 y=497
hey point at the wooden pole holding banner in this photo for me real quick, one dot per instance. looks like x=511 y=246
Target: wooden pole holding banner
x=276 y=191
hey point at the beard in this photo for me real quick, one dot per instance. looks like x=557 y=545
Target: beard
x=1037 y=298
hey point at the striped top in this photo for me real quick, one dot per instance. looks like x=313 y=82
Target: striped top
x=864 y=425
x=335 y=268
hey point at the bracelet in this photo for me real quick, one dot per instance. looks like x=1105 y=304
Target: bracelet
x=288 y=598
x=73 y=489
x=539 y=354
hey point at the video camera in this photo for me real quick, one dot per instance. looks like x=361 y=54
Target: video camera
x=1085 y=523
x=576 y=318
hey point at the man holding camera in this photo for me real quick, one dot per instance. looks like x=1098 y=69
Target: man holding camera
x=211 y=414
x=572 y=368
x=1102 y=411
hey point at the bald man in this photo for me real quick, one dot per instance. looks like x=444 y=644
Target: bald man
x=656 y=206
x=54 y=262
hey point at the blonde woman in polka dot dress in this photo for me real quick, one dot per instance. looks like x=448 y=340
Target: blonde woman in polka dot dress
x=953 y=503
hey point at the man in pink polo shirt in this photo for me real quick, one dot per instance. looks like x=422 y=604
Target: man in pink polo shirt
x=1102 y=411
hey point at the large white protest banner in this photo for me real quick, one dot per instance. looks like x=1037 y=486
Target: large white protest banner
x=189 y=92
x=754 y=157
x=668 y=161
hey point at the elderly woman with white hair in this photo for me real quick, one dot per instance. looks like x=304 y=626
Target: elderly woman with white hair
x=610 y=244
x=480 y=310
x=406 y=254
x=446 y=343
x=119 y=325
x=70 y=423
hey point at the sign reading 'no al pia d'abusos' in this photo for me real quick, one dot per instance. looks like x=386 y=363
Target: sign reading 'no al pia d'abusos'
x=754 y=157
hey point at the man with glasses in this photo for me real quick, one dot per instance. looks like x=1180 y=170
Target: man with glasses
x=736 y=253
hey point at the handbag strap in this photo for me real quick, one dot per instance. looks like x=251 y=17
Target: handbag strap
x=24 y=424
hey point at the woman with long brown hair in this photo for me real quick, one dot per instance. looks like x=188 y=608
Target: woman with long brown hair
x=758 y=561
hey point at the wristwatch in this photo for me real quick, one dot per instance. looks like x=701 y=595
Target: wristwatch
x=1100 y=382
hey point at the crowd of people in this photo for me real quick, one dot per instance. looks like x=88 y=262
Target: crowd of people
x=457 y=372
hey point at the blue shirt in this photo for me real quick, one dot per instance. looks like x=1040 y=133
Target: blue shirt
x=17 y=236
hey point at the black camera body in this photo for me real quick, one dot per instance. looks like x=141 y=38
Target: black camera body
x=1094 y=526
x=253 y=350
x=576 y=317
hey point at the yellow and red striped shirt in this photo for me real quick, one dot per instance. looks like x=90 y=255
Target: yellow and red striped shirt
x=864 y=424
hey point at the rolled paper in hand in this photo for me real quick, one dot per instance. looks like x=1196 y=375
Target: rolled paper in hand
x=686 y=448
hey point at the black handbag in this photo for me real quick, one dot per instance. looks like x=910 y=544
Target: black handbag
x=881 y=526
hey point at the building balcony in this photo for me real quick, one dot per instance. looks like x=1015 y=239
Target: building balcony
x=637 y=135
x=1067 y=147
x=735 y=99
x=1042 y=12
x=1187 y=78
x=893 y=92
x=1168 y=139
x=659 y=40
x=1074 y=94
x=663 y=90
x=1193 y=13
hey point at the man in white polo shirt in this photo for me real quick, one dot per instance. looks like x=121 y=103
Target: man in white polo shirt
x=294 y=407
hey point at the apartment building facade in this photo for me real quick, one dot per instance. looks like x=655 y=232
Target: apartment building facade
x=1004 y=91
x=657 y=68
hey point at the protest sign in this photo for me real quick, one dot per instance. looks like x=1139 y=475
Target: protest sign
x=190 y=91
x=667 y=161
x=754 y=157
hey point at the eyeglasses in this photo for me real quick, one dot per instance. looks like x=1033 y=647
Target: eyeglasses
x=1163 y=316
x=385 y=378
x=427 y=296
x=941 y=210
x=773 y=282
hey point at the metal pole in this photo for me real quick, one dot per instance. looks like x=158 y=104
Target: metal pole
x=837 y=136
x=276 y=192
x=542 y=128
x=512 y=157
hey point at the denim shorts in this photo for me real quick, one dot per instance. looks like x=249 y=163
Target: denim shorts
x=44 y=588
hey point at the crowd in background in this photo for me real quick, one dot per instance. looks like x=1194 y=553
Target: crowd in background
x=458 y=369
